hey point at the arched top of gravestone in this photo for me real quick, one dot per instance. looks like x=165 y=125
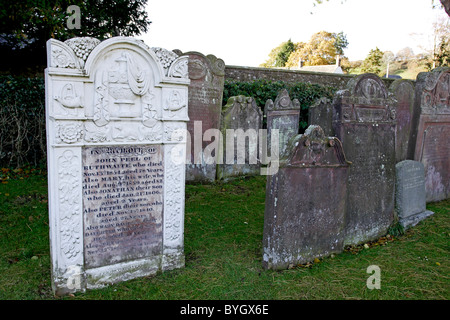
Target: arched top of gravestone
x=366 y=99
x=368 y=86
x=432 y=78
x=133 y=53
x=198 y=69
x=410 y=164
x=403 y=90
x=243 y=103
x=282 y=102
x=433 y=90
x=130 y=80
x=402 y=86
x=323 y=101
x=313 y=149
x=81 y=55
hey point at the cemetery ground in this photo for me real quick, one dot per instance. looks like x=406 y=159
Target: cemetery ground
x=223 y=249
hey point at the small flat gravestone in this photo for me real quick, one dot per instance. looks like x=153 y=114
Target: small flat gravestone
x=116 y=121
x=240 y=125
x=306 y=201
x=282 y=115
x=410 y=200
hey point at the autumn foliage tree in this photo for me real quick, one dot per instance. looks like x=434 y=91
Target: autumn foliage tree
x=278 y=56
x=322 y=48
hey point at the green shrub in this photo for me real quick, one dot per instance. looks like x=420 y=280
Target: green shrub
x=262 y=90
x=22 y=121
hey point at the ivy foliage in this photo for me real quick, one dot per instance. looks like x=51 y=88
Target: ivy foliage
x=262 y=90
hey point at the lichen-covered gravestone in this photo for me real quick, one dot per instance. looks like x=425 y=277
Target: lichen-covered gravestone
x=410 y=202
x=207 y=75
x=284 y=116
x=403 y=91
x=306 y=201
x=116 y=120
x=240 y=126
x=430 y=143
x=364 y=120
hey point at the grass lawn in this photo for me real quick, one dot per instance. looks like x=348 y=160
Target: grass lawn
x=223 y=248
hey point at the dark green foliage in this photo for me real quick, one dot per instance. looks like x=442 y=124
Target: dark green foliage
x=283 y=56
x=396 y=230
x=373 y=61
x=41 y=20
x=262 y=90
x=341 y=42
x=26 y=25
x=22 y=121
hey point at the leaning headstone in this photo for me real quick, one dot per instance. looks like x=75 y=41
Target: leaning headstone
x=321 y=114
x=306 y=202
x=207 y=75
x=282 y=115
x=116 y=175
x=403 y=91
x=365 y=123
x=430 y=143
x=240 y=126
x=410 y=202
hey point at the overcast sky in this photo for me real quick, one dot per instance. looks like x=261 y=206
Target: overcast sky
x=242 y=32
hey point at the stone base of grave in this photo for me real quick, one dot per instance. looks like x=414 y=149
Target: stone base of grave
x=96 y=278
x=411 y=221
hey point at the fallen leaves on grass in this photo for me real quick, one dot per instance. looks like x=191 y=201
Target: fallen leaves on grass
x=371 y=244
x=19 y=173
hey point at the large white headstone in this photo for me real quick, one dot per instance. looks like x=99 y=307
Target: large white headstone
x=116 y=118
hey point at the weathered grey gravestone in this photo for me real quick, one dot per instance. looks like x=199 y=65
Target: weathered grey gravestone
x=207 y=75
x=410 y=202
x=306 y=201
x=365 y=123
x=430 y=143
x=116 y=118
x=283 y=115
x=321 y=113
x=240 y=125
x=403 y=91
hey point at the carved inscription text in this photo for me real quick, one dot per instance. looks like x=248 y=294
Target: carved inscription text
x=122 y=203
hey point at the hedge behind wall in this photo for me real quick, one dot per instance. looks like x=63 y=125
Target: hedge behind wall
x=262 y=90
